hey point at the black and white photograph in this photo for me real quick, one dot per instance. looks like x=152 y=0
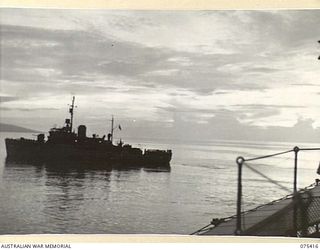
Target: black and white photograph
x=160 y=122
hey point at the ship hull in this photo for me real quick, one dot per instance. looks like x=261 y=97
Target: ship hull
x=24 y=150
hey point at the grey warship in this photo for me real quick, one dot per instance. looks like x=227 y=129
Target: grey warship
x=65 y=145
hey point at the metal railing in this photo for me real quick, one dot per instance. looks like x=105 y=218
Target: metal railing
x=242 y=161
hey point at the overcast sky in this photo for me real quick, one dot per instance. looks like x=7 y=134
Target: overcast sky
x=163 y=73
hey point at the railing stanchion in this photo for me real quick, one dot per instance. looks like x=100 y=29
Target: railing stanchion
x=239 y=161
x=296 y=150
x=295 y=198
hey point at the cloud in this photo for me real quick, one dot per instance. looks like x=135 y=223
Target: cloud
x=154 y=65
x=27 y=109
x=221 y=92
x=259 y=106
x=56 y=62
x=226 y=125
x=305 y=84
x=8 y=98
x=263 y=69
x=75 y=60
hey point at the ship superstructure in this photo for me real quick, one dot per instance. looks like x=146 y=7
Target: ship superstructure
x=64 y=144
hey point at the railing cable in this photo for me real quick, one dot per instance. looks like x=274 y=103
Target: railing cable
x=267 y=156
x=305 y=149
x=266 y=177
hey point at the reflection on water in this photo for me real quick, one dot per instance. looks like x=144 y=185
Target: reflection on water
x=73 y=198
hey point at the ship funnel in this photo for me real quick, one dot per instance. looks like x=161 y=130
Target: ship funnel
x=82 y=130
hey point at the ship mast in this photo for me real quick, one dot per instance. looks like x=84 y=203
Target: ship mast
x=71 y=113
x=112 y=128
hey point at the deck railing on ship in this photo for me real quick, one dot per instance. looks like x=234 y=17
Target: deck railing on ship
x=300 y=206
x=241 y=161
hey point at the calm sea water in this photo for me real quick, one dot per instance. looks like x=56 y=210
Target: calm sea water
x=201 y=185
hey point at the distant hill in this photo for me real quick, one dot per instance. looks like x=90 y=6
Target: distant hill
x=13 y=128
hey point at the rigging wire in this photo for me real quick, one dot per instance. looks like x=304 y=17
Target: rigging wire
x=267 y=177
x=267 y=156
